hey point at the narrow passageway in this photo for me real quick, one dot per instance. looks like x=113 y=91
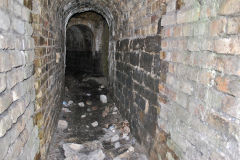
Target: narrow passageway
x=90 y=128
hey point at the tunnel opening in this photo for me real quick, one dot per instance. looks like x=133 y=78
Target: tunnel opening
x=87 y=44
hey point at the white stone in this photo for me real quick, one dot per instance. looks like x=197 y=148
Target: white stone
x=70 y=102
x=66 y=110
x=115 y=138
x=102 y=86
x=94 y=124
x=115 y=109
x=83 y=116
x=76 y=147
x=88 y=94
x=81 y=104
x=131 y=149
x=114 y=113
x=89 y=110
x=103 y=98
x=117 y=145
x=62 y=124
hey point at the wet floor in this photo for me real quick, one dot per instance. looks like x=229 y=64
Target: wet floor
x=91 y=127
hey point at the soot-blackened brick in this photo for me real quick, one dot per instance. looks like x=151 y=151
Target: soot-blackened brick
x=140 y=102
x=127 y=69
x=153 y=44
x=149 y=81
x=138 y=75
x=126 y=58
x=118 y=56
x=134 y=59
x=119 y=66
x=151 y=118
x=124 y=45
x=146 y=61
x=151 y=96
x=139 y=89
x=164 y=67
x=138 y=44
x=157 y=65
x=129 y=82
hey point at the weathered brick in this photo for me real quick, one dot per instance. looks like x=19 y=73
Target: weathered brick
x=18 y=91
x=134 y=59
x=230 y=7
x=14 y=76
x=140 y=101
x=146 y=61
x=17 y=59
x=227 y=45
x=230 y=105
x=4 y=64
x=5 y=124
x=4 y=21
x=5 y=101
x=16 y=109
x=233 y=25
x=153 y=44
x=190 y=15
x=138 y=44
x=18 y=25
x=3 y=82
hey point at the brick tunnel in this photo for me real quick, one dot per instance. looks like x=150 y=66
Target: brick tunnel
x=172 y=70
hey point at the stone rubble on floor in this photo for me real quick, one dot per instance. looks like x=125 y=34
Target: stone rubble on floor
x=95 y=131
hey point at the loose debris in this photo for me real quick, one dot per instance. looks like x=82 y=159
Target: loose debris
x=81 y=104
x=62 y=124
x=93 y=129
x=66 y=110
x=103 y=98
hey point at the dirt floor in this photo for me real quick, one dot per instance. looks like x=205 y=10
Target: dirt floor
x=90 y=129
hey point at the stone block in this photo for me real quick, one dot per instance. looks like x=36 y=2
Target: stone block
x=4 y=21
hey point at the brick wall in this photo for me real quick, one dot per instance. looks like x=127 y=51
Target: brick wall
x=18 y=133
x=201 y=43
x=49 y=69
x=177 y=77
